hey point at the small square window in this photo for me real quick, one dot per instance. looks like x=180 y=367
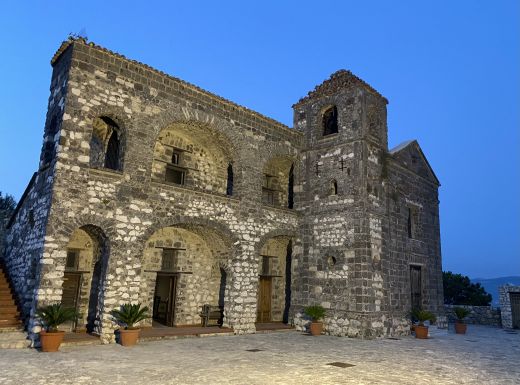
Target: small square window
x=72 y=260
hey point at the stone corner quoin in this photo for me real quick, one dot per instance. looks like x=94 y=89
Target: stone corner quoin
x=152 y=190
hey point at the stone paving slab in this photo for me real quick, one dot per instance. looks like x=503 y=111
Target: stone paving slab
x=485 y=355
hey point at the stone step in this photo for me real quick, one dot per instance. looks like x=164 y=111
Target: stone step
x=14 y=339
x=8 y=310
x=13 y=322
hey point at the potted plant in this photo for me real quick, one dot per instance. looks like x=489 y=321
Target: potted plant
x=422 y=316
x=461 y=313
x=315 y=313
x=128 y=315
x=51 y=317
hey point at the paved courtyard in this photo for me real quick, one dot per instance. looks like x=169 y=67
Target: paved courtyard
x=483 y=356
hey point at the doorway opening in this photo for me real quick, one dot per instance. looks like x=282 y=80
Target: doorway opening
x=415 y=287
x=164 y=299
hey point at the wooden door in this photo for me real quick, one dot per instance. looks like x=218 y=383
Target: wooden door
x=170 y=315
x=69 y=297
x=264 y=300
x=416 y=287
x=515 y=309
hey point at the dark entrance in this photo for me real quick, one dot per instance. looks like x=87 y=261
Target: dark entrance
x=416 y=287
x=264 y=299
x=164 y=298
x=515 y=309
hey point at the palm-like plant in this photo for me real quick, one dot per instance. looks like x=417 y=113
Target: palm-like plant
x=315 y=312
x=53 y=316
x=422 y=316
x=129 y=314
x=461 y=313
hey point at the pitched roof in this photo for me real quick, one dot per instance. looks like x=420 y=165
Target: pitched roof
x=397 y=149
x=337 y=81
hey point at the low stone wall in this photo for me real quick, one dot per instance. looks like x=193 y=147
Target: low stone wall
x=480 y=315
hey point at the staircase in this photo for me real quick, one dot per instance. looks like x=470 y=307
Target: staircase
x=11 y=327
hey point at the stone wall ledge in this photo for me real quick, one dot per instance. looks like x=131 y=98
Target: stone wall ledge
x=479 y=315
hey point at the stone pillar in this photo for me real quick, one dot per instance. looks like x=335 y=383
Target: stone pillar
x=243 y=286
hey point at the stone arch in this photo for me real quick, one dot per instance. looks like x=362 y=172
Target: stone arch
x=199 y=262
x=329 y=120
x=275 y=276
x=193 y=155
x=87 y=253
x=117 y=133
x=278 y=178
x=333 y=187
x=186 y=222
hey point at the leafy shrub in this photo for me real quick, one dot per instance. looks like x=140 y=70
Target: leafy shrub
x=315 y=312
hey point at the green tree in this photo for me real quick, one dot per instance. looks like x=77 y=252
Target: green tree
x=458 y=290
x=7 y=206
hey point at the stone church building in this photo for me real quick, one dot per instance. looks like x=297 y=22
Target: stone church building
x=152 y=190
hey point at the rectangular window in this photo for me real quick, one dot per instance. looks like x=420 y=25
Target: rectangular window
x=175 y=174
x=268 y=191
x=176 y=157
x=72 y=260
x=412 y=222
x=265 y=265
x=169 y=259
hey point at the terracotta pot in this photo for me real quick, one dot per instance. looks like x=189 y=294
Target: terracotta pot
x=421 y=332
x=51 y=341
x=460 y=328
x=316 y=328
x=128 y=337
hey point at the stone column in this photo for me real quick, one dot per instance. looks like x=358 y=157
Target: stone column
x=243 y=286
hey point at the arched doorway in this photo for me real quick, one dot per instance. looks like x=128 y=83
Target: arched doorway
x=274 y=280
x=183 y=271
x=83 y=278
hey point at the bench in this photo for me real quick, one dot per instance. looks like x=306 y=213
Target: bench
x=211 y=313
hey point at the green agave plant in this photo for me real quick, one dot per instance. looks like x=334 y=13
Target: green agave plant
x=423 y=315
x=461 y=312
x=53 y=316
x=128 y=315
x=315 y=312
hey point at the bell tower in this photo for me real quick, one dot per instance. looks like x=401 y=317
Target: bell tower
x=344 y=124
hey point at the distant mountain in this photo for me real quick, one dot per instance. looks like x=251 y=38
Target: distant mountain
x=491 y=285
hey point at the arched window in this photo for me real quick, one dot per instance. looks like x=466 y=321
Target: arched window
x=105 y=144
x=333 y=187
x=330 y=121
x=229 y=187
x=112 y=154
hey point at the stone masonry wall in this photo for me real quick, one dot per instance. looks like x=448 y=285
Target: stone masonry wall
x=479 y=315
x=345 y=244
x=127 y=207
x=354 y=194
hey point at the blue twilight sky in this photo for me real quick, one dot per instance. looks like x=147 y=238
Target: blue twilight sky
x=450 y=69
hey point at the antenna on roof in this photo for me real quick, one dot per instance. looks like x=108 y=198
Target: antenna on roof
x=82 y=34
